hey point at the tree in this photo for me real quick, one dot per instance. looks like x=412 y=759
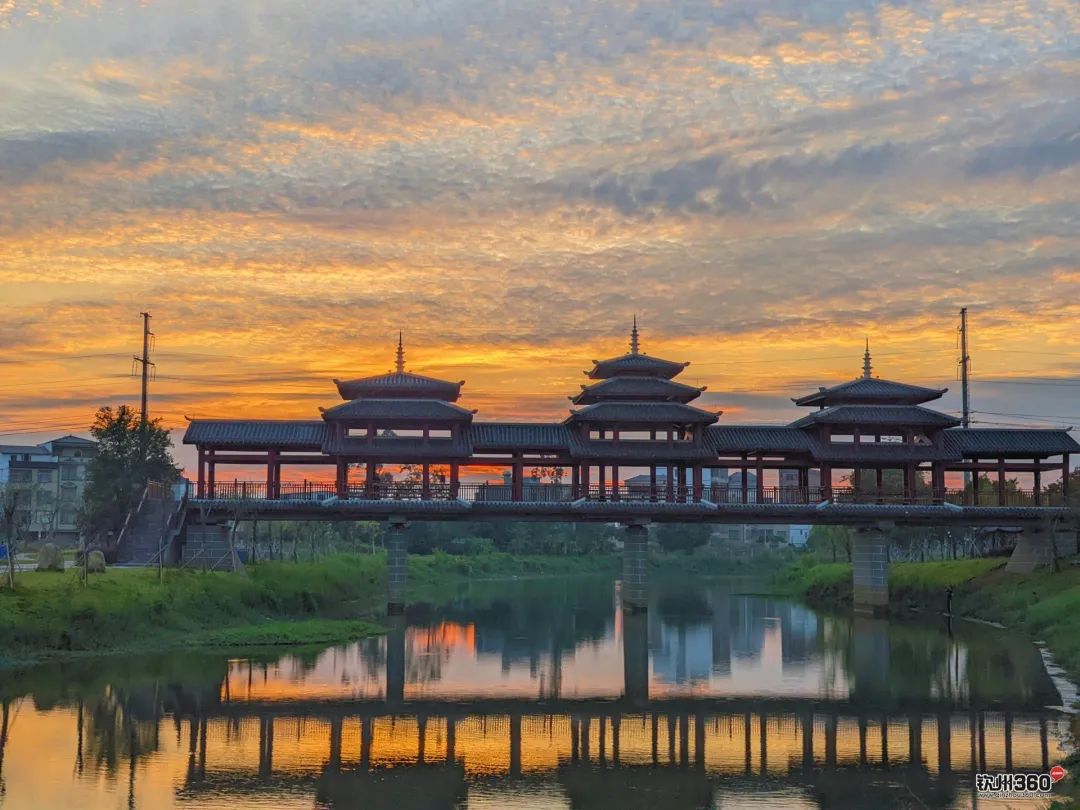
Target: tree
x=833 y=539
x=683 y=537
x=120 y=470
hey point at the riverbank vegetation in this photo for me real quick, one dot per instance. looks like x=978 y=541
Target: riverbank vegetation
x=129 y=608
x=1045 y=604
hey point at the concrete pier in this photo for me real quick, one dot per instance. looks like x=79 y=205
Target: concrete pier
x=635 y=580
x=870 y=570
x=396 y=574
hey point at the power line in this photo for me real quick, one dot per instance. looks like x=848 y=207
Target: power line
x=1029 y=415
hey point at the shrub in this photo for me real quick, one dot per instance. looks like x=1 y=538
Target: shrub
x=95 y=562
x=49 y=558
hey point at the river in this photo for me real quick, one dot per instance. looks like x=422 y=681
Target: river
x=544 y=694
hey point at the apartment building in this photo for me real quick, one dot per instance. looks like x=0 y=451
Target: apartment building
x=48 y=480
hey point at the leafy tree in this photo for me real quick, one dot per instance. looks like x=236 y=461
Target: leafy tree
x=121 y=468
x=833 y=540
x=683 y=537
x=1054 y=496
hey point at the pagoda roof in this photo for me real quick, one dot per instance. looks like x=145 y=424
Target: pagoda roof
x=758 y=439
x=871 y=391
x=889 y=415
x=635 y=364
x=1014 y=442
x=399 y=385
x=400 y=410
x=636 y=388
x=629 y=413
x=245 y=434
x=488 y=436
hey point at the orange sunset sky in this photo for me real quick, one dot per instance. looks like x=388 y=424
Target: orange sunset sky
x=286 y=184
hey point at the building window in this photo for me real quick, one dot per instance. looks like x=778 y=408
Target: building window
x=44 y=476
x=67 y=516
x=67 y=495
x=45 y=499
x=21 y=476
x=69 y=472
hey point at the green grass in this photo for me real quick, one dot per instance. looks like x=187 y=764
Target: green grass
x=1045 y=605
x=129 y=609
x=265 y=634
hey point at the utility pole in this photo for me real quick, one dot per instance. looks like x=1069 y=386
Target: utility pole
x=965 y=365
x=144 y=361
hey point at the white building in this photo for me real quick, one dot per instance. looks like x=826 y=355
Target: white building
x=49 y=479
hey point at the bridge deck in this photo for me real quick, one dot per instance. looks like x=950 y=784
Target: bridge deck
x=334 y=509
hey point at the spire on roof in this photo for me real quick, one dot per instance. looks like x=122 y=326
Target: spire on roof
x=400 y=355
x=866 y=367
x=634 y=337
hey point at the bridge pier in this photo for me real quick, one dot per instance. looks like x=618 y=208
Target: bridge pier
x=635 y=579
x=635 y=641
x=396 y=575
x=395 y=660
x=1039 y=547
x=870 y=571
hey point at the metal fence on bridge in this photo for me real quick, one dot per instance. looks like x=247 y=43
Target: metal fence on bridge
x=318 y=491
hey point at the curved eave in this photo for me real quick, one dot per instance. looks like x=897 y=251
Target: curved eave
x=635 y=365
x=399 y=386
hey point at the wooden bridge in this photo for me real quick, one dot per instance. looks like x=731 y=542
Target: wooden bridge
x=869 y=454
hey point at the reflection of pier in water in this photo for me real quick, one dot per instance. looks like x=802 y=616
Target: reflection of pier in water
x=686 y=747
x=631 y=751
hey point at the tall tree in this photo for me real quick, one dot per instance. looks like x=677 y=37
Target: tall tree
x=120 y=470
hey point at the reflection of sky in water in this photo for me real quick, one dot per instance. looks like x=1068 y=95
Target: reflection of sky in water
x=746 y=647
x=489 y=670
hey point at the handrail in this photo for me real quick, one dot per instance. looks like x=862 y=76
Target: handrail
x=532 y=492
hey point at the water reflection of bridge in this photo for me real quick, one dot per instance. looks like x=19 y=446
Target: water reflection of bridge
x=600 y=751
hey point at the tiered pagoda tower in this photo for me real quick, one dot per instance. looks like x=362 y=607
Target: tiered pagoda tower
x=876 y=424
x=637 y=411
x=397 y=418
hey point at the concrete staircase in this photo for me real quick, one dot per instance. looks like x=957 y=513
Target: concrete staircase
x=153 y=524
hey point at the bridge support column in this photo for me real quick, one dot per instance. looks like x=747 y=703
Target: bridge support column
x=635 y=578
x=870 y=570
x=1039 y=547
x=635 y=628
x=395 y=660
x=396 y=576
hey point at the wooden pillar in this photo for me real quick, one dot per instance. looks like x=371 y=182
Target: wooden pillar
x=826 y=482
x=371 y=485
x=909 y=482
x=425 y=481
x=1037 y=489
x=699 y=485
x=759 y=472
x=601 y=472
x=1065 y=478
x=652 y=483
x=1001 y=482
x=804 y=485
x=271 y=464
x=585 y=480
x=341 y=480
x=211 y=466
x=575 y=482
x=455 y=479
x=614 y=482
x=517 y=479
x=670 y=483
x=743 y=483
x=879 y=483
x=200 y=488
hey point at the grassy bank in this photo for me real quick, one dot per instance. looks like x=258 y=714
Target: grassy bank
x=129 y=609
x=1045 y=605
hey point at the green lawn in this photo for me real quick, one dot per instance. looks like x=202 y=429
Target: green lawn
x=128 y=608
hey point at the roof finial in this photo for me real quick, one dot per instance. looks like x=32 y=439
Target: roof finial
x=634 y=337
x=866 y=367
x=400 y=355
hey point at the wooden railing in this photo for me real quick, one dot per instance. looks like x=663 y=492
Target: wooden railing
x=318 y=491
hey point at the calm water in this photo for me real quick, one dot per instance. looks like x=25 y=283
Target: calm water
x=541 y=694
